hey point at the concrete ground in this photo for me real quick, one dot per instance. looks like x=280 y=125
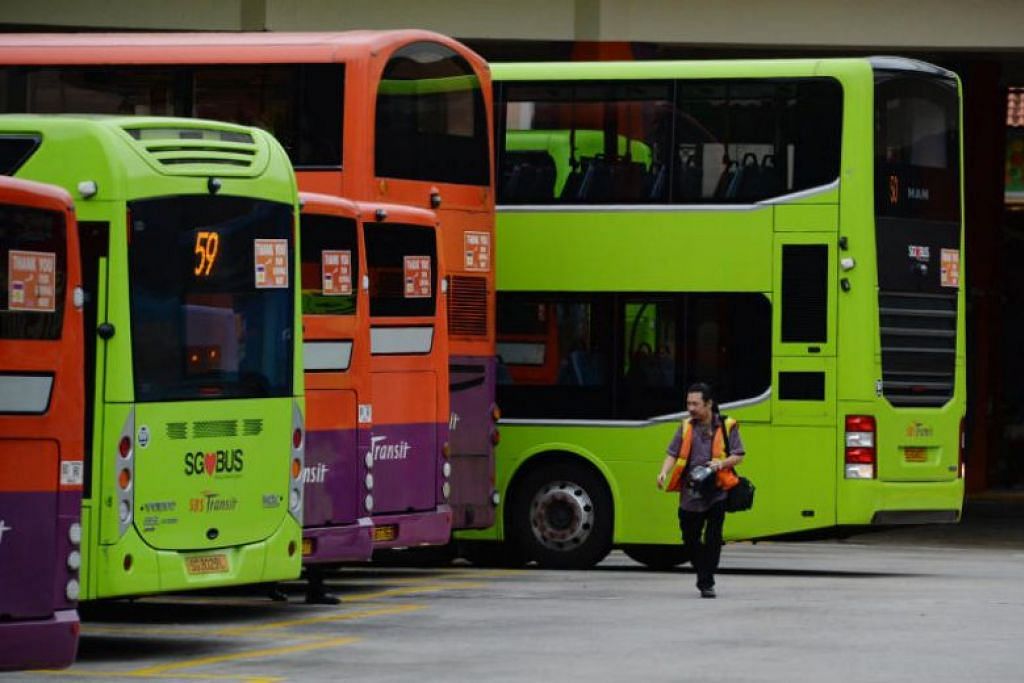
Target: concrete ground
x=881 y=607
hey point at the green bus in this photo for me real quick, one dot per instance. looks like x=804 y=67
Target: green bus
x=193 y=402
x=793 y=236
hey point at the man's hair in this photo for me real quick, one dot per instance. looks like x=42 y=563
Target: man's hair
x=701 y=388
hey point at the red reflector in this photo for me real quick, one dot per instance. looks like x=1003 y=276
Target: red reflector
x=860 y=423
x=124 y=446
x=860 y=456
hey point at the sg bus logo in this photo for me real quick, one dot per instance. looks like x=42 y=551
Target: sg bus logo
x=215 y=462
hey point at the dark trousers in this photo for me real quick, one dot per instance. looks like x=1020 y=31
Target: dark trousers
x=702 y=534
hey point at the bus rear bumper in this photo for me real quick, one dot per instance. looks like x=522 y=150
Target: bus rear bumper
x=433 y=527
x=44 y=644
x=276 y=558
x=885 y=502
x=341 y=543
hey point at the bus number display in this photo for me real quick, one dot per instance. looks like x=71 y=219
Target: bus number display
x=207 y=247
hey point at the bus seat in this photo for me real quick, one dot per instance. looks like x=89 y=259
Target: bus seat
x=771 y=177
x=725 y=179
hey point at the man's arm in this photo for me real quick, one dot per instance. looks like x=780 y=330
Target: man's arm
x=666 y=467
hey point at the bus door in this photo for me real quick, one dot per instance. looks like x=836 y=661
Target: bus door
x=336 y=354
x=409 y=361
x=804 y=369
x=41 y=401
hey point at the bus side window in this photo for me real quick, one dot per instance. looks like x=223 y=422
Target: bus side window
x=93 y=238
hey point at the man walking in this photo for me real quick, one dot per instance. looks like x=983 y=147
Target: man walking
x=700 y=442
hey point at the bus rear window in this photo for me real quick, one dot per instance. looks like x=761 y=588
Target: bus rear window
x=330 y=265
x=300 y=104
x=211 y=285
x=402 y=264
x=916 y=147
x=431 y=120
x=33 y=267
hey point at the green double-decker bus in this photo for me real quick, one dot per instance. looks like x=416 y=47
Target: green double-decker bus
x=193 y=406
x=791 y=233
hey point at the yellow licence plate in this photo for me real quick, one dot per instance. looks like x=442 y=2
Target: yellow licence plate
x=206 y=564
x=307 y=546
x=388 y=532
x=915 y=454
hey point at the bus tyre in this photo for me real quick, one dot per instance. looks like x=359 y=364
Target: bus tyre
x=658 y=557
x=562 y=517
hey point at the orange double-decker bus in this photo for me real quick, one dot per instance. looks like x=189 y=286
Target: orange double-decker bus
x=389 y=116
x=42 y=422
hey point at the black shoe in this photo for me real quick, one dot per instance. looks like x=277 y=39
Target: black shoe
x=321 y=597
x=707 y=592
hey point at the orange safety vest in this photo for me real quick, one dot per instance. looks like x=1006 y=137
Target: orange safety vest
x=726 y=478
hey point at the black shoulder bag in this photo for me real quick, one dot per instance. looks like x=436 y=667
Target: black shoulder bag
x=741 y=496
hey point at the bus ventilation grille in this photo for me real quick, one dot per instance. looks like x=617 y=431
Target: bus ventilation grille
x=214 y=429
x=467 y=306
x=180 y=150
x=918 y=347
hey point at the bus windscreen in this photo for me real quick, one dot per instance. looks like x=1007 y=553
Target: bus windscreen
x=211 y=298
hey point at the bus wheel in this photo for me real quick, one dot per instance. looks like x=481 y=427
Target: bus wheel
x=562 y=517
x=658 y=557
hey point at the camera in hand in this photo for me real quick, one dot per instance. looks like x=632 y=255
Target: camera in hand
x=702 y=481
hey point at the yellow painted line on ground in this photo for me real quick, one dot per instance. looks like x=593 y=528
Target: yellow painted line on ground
x=411 y=590
x=108 y=675
x=319 y=644
x=320 y=619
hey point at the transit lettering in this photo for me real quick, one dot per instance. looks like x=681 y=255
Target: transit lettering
x=394 y=451
x=316 y=474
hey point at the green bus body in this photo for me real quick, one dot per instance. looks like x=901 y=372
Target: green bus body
x=636 y=251
x=209 y=500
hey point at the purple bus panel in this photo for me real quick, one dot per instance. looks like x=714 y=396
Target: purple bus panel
x=333 y=475
x=471 y=425
x=405 y=467
x=38 y=623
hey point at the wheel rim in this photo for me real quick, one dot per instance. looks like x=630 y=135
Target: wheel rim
x=561 y=515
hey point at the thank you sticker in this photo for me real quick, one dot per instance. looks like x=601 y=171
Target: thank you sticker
x=478 y=250
x=271 y=258
x=417 y=277
x=336 y=272
x=950 y=268
x=31 y=284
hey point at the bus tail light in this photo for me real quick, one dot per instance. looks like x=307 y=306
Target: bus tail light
x=72 y=590
x=495 y=436
x=861 y=455
x=446 y=470
x=495 y=412
x=124 y=474
x=295 y=484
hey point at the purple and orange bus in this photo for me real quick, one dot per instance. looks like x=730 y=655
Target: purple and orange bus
x=338 y=474
x=408 y=314
x=41 y=426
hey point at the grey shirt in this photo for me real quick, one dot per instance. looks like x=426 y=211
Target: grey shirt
x=700 y=454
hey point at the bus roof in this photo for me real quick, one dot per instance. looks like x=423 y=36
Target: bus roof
x=731 y=68
x=160 y=148
x=32 y=193
x=222 y=48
